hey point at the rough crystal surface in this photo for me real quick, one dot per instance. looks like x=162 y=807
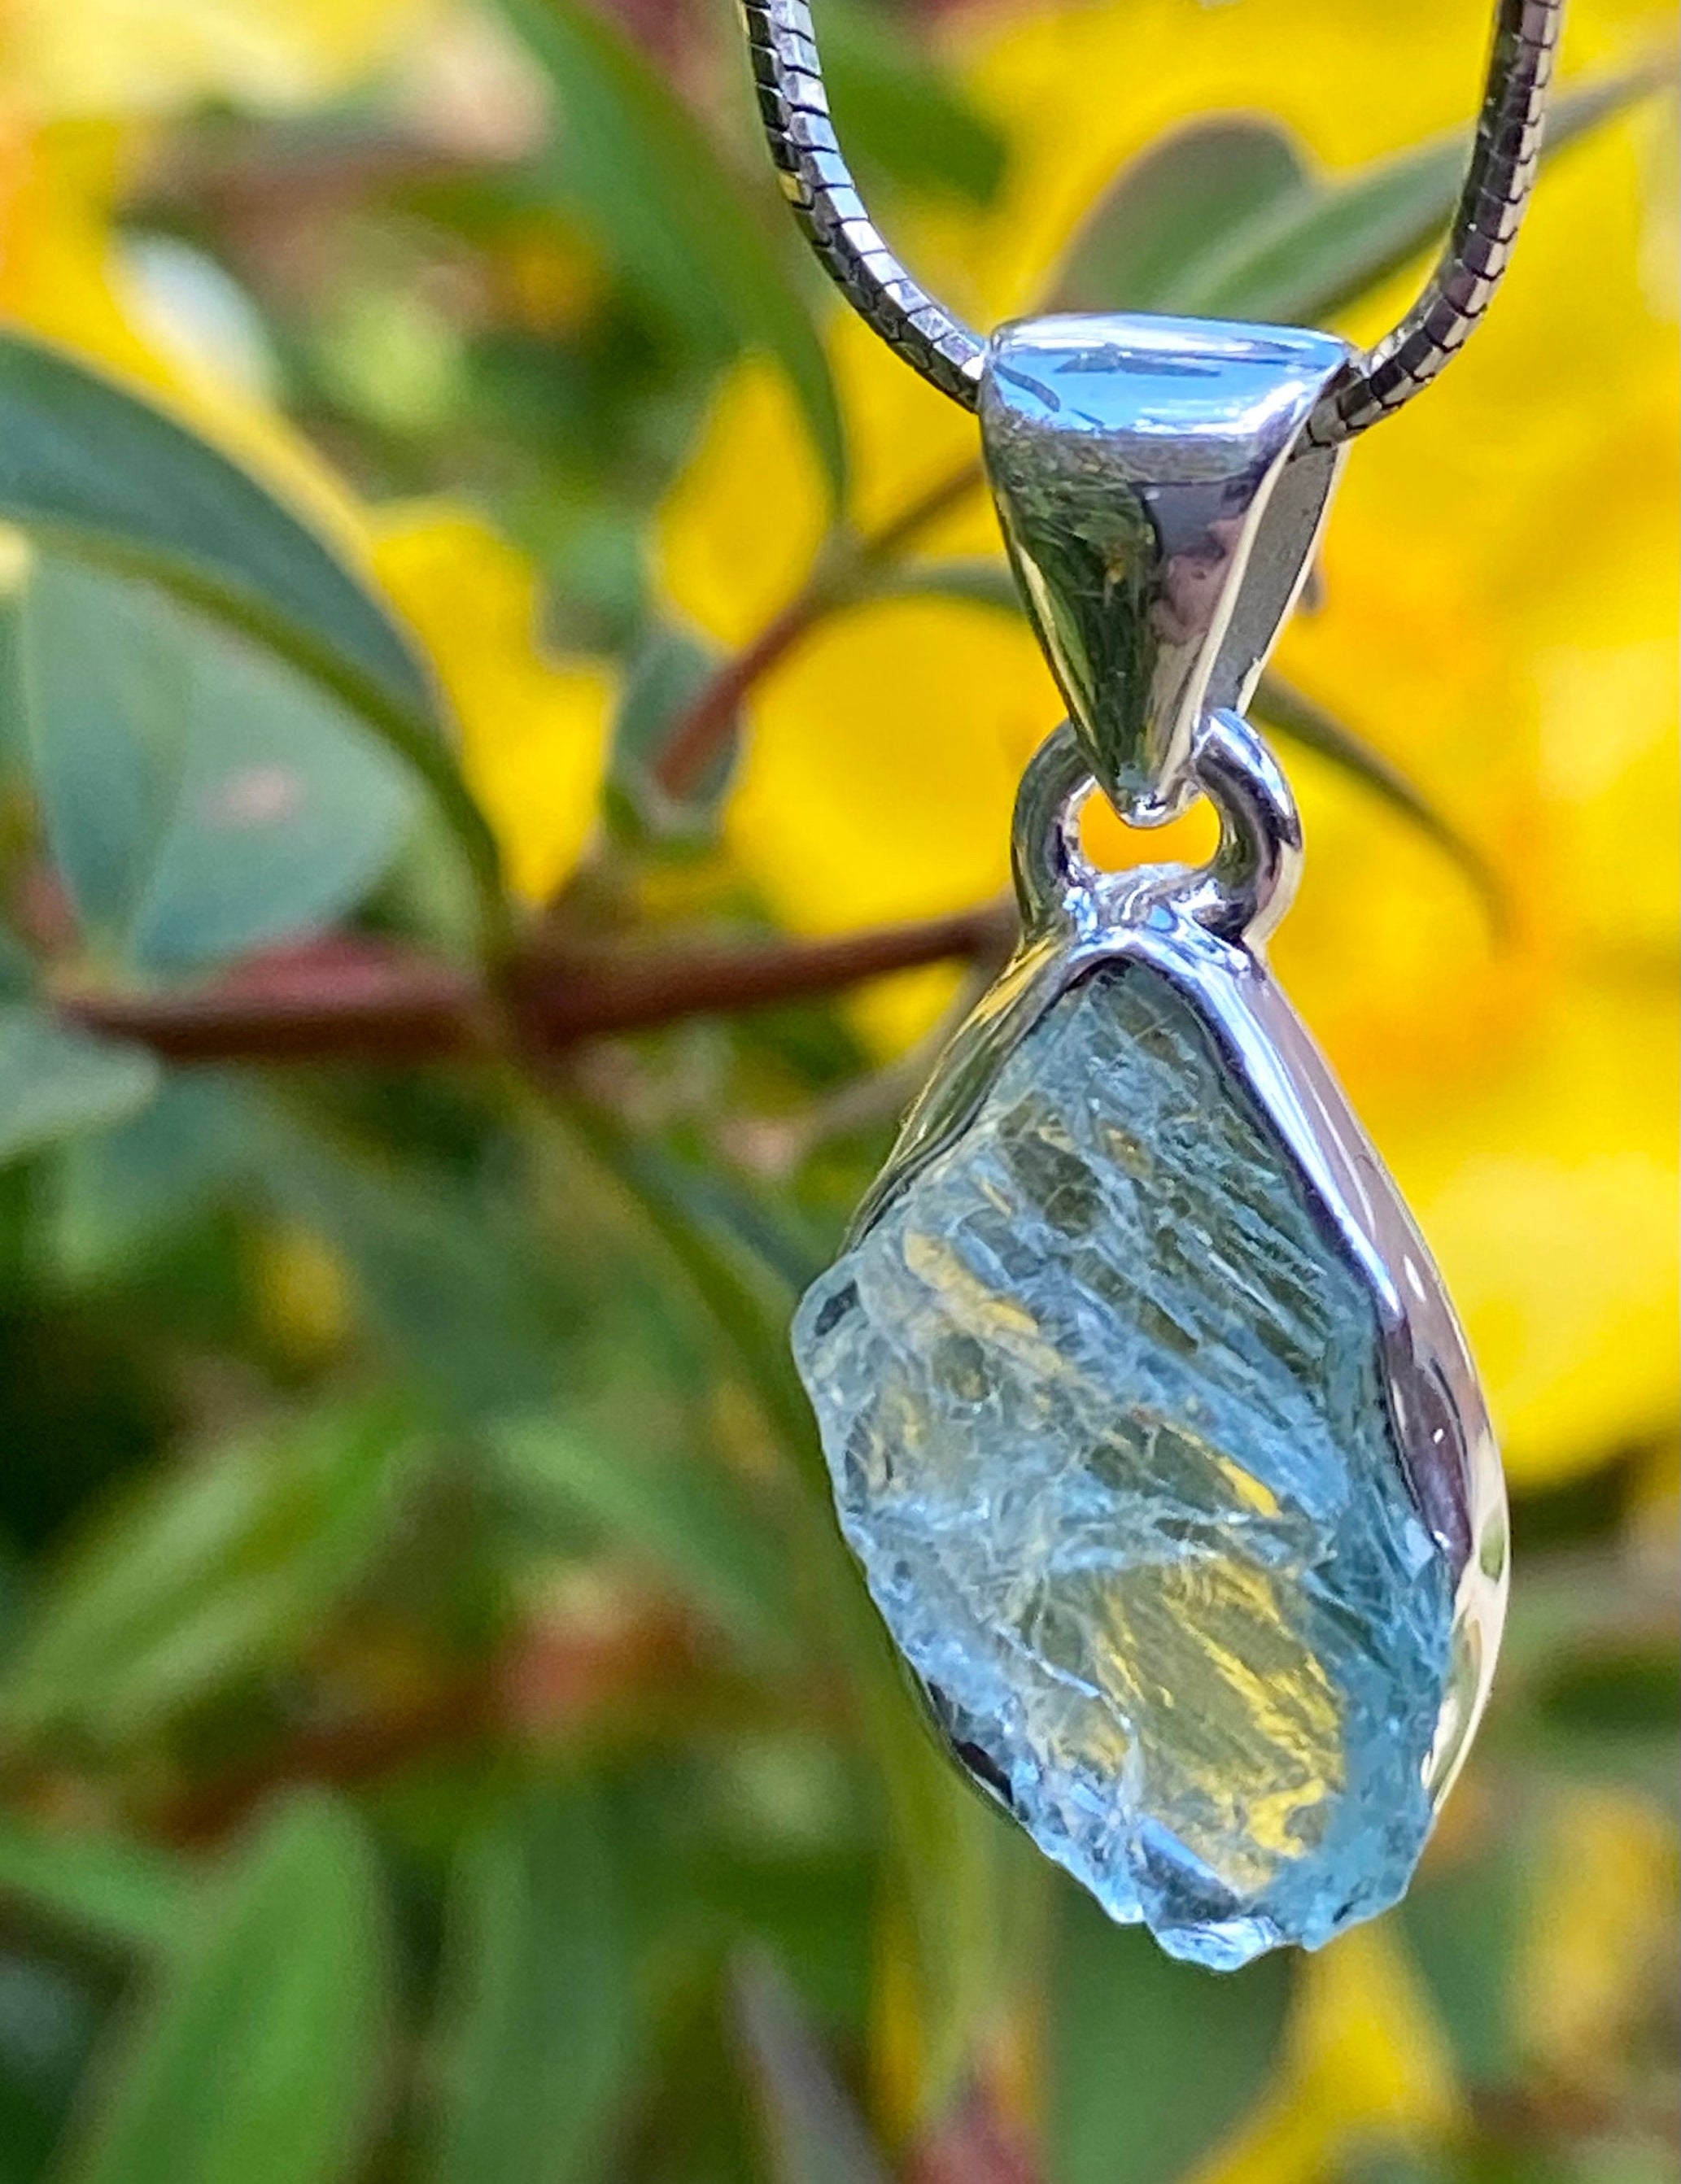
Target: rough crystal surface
x=1104 y=1408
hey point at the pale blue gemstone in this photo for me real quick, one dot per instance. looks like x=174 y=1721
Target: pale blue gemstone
x=1103 y=1405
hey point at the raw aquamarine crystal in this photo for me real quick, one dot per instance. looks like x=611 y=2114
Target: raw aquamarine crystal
x=1104 y=1409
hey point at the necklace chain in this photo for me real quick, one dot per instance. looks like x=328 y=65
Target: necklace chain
x=794 y=103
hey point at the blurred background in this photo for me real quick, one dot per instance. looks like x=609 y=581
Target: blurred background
x=509 y=711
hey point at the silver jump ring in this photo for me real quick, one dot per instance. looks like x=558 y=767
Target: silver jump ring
x=1240 y=895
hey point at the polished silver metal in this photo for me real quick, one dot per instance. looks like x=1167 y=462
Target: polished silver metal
x=1505 y=160
x=1203 y=931
x=1161 y=485
x=1137 y=464
x=794 y=105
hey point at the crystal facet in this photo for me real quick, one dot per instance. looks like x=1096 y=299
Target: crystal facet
x=1102 y=1399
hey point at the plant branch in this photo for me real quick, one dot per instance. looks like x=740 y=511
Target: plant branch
x=388 y=1007
x=947 y=494
x=703 y=729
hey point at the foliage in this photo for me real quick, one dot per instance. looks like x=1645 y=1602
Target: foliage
x=489 y=658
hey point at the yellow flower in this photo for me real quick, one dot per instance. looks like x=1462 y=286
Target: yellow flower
x=1593 y=1976
x=732 y=560
x=304 y=1294
x=147 y=56
x=740 y=531
x=1366 y=2060
x=534 y=728
x=1501 y=585
x=61 y=279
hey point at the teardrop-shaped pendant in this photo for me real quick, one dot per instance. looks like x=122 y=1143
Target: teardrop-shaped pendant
x=1147 y=1416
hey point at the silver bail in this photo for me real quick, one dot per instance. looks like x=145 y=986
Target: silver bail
x=1161 y=512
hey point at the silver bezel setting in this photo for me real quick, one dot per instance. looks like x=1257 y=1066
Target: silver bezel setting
x=1203 y=931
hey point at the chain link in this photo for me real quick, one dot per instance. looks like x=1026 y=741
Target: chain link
x=794 y=104
x=819 y=185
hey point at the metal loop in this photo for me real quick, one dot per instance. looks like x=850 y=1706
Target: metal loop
x=1250 y=881
x=1159 y=516
x=794 y=105
x=1055 y=882
x=1240 y=895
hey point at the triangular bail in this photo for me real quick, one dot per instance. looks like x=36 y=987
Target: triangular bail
x=1161 y=509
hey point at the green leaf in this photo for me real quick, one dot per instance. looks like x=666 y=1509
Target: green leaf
x=94 y=471
x=536 y=2031
x=967 y=1888
x=748 y=1296
x=56 y=1082
x=202 y=797
x=665 y=674
x=1224 y=219
x=966 y=1884
x=19 y=971
x=1281 y=706
x=644 y=172
x=220 y=1567
x=1152 y=2062
x=1465 y=1923
x=48 y=2023
x=119 y=1891
x=128 y=1187
x=82 y=458
x=686 y=1517
x=258 y=2059
x=1307 y=254
x=1169 y=206
x=13 y=571
x=972 y=581
x=812 y=2130
x=443 y=1274
x=899 y=115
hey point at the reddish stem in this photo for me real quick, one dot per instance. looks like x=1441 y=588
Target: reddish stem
x=702 y=731
x=394 y=1008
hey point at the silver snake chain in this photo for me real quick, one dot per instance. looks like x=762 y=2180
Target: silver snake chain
x=819 y=185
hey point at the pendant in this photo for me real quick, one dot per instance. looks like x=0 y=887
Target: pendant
x=1147 y=1416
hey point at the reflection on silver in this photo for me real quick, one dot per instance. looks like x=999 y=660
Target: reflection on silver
x=1504 y=157
x=1202 y=930
x=1161 y=495
x=1160 y=509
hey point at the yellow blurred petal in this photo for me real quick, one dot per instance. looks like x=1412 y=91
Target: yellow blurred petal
x=534 y=728
x=1081 y=89
x=1526 y=1097
x=1367 y=2045
x=304 y=1293
x=881 y=764
x=878 y=778
x=1366 y=2057
x=1608 y=769
x=907 y=440
x=738 y=533
x=82 y=57
x=60 y=279
x=740 y=530
x=1548 y=1193
x=1594 y=1969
